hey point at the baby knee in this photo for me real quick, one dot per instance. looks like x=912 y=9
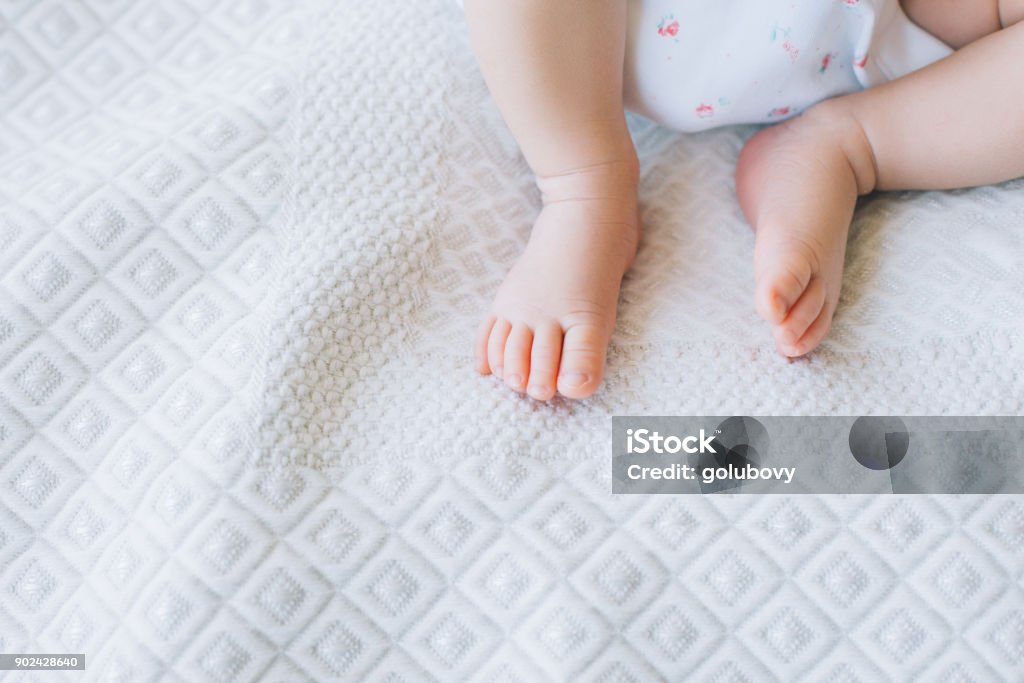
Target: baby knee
x=957 y=24
x=1010 y=12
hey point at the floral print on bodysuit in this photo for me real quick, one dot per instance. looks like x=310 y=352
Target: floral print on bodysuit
x=668 y=27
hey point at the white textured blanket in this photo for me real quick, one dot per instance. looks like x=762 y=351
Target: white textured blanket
x=407 y=220
x=243 y=248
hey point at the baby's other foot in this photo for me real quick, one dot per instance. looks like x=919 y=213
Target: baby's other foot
x=798 y=184
x=549 y=326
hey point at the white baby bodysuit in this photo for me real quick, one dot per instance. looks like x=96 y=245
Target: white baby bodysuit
x=698 y=64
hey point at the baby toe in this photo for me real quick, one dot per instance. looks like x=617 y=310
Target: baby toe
x=780 y=284
x=496 y=345
x=483 y=334
x=544 y=359
x=813 y=335
x=802 y=314
x=517 y=356
x=582 y=365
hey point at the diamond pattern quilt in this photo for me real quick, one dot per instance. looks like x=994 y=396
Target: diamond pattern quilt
x=243 y=246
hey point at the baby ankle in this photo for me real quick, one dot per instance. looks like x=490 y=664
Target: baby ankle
x=615 y=179
x=841 y=125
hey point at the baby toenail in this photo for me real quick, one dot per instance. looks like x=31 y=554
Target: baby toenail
x=539 y=391
x=515 y=380
x=575 y=379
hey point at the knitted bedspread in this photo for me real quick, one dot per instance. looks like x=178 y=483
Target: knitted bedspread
x=244 y=247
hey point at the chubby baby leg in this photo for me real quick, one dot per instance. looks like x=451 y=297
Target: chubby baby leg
x=956 y=123
x=798 y=183
x=561 y=95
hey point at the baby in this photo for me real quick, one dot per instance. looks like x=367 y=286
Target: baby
x=873 y=95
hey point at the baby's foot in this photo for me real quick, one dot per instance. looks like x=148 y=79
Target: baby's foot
x=550 y=323
x=798 y=183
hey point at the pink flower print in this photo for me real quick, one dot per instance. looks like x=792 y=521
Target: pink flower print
x=791 y=50
x=787 y=44
x=779 y=111
x=851 y=3
x=705 y=110
x=862 y=62
x=668 y=27
x=826 y=61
